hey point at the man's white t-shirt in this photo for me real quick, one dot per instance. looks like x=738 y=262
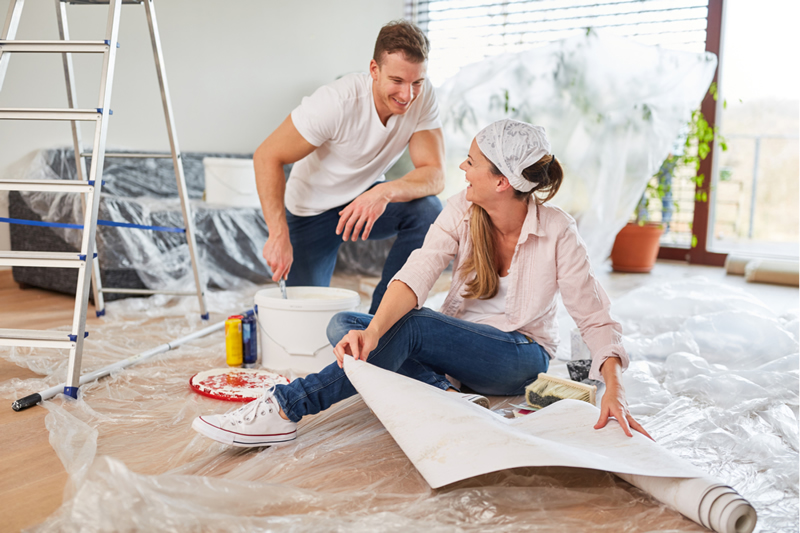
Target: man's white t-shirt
x=354 y=148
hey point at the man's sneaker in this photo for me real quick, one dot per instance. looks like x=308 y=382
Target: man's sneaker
x=475 y=398
x=256 y=424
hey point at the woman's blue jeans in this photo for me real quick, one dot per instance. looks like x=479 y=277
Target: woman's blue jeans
x=424 y=345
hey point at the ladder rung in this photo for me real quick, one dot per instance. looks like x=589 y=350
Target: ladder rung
x=131 y=154
x=42 y=259
x=98 y=2
x=54 y=46
x=47 y=185
x=35 y=338
x=9 y=113
x=147 y=292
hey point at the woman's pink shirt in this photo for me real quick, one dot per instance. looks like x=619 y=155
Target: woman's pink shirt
x=550 y=258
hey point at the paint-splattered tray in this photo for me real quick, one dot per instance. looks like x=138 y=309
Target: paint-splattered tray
x=235 y=384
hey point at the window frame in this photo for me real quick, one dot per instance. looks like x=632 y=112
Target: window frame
x=700 y=254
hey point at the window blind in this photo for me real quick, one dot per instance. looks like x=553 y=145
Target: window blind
x=465 y=31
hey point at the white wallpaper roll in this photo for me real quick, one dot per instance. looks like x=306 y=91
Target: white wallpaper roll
x=448 y=440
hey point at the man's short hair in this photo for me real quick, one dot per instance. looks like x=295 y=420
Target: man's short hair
x=402 y=36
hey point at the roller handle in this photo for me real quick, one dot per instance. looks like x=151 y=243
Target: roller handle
x=27 y=401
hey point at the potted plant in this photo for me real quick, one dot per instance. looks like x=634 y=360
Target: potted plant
x=636 y=245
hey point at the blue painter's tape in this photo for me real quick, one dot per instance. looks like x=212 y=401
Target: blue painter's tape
x=72 y=392
x=24 y=222
x=100 y=313
x=100 y=110
x=39 y=223
x=139 y=226
x=82 y=257
x=204 y=317
x=74 y=338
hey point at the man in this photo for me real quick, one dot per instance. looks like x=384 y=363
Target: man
x=342 y=139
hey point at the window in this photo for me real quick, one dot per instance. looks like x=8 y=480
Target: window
x=465 y=31
x=756 y=184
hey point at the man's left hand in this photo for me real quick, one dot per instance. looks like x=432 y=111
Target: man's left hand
x=360 y=215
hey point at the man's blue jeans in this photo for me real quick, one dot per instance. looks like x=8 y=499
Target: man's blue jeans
x=316 y=244
x=424 y=345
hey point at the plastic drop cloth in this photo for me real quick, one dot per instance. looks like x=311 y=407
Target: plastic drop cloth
x=613 y=109
x=136 y=464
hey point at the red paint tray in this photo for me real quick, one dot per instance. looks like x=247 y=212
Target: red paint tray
x=235 y=384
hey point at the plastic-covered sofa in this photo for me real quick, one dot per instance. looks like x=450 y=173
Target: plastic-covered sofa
x=143 y=191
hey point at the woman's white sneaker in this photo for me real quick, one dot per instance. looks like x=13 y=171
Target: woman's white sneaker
x=258 y=423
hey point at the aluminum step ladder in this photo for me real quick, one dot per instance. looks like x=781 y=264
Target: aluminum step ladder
x=86 y=260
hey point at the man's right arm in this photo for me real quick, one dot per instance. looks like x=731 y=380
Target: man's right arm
x=285 y=145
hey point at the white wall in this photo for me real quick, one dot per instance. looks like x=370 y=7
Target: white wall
x=235 y=70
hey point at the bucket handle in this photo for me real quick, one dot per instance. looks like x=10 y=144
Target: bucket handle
x=285 y=349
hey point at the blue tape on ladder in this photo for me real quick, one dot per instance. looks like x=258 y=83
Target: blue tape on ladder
x=100 y=313
x=80 y=226
x=72 y=392
x=109 y=43
x=74 y=338
x=92 y=182
x=39 y=223
x=139 y=226
x=204 y=317
x=82 y=257
x=100 y=110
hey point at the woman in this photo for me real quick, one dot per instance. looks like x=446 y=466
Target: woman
x=512 y=254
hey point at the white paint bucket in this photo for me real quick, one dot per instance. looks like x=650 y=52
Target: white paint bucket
x=292 y=332
x=230 y=182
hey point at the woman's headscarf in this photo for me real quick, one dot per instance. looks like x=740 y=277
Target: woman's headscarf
x=513 y=146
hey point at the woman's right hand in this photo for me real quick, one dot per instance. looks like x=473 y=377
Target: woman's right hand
x=358 y=343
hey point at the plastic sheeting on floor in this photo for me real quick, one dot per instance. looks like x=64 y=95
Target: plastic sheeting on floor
x=136 y=464
x=613 y=109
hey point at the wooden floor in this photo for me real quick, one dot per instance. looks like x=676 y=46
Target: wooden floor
x=32 y=478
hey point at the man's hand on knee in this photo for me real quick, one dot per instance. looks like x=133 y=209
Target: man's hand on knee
x=360 y=215
x=279 y=255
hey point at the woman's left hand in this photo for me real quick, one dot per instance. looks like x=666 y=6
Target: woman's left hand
x=614 y=403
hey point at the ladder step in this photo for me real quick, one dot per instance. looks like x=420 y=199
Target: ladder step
x=147 y=292
x=54 y=46
x=47 y=185
x=159 y=155
x=35 y=338
x=42 y=259
x=9 y=113
x=98 y=2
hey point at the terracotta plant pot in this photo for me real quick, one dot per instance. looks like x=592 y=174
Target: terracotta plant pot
x=636 y=248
